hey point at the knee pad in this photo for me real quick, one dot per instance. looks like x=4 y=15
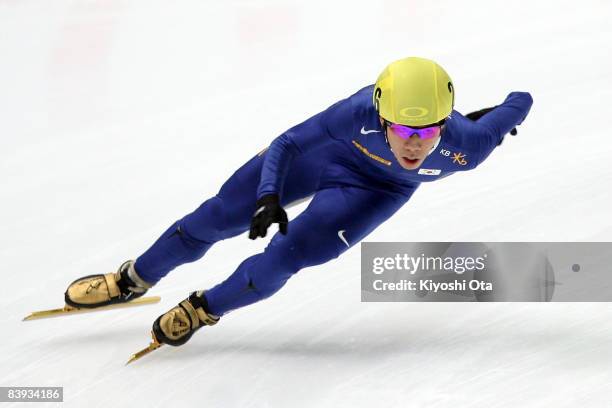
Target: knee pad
x=305 y=248
x=206 y=223
x=187 y=239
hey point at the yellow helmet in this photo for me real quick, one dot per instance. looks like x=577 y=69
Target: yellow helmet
x=414 y=92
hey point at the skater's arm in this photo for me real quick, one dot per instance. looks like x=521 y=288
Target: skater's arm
x=496 y=122
x=317 y=131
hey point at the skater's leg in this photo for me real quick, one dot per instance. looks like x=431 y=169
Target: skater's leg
x=336 y=219
x=225 y=215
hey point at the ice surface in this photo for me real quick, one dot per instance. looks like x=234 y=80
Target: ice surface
x=118 y=117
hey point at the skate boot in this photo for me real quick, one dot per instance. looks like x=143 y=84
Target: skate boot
x=101 y=290
x=177 y=325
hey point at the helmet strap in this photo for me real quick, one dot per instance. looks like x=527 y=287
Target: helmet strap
x=433 y=148
x=385 y=133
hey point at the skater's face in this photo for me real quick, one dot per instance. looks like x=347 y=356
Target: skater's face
x=410 y=152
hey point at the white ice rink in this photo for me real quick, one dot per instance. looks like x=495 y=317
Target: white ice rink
x=118 y=117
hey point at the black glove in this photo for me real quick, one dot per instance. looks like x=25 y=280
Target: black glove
x=478 y=114
x=268 y=211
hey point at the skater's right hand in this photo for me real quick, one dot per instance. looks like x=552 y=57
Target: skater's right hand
x=268 y=211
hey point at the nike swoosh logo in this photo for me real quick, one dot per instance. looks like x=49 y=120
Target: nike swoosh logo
x=341 y=236
x=365 y=132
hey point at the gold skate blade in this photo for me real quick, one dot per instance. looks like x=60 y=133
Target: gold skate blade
x=69 y=310
x=154 y=345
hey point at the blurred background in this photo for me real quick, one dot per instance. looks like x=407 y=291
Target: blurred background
x=118 y=117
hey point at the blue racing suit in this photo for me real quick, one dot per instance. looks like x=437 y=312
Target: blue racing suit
x=342 y=158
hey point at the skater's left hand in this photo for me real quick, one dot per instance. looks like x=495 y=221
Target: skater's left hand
x=268 y=211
